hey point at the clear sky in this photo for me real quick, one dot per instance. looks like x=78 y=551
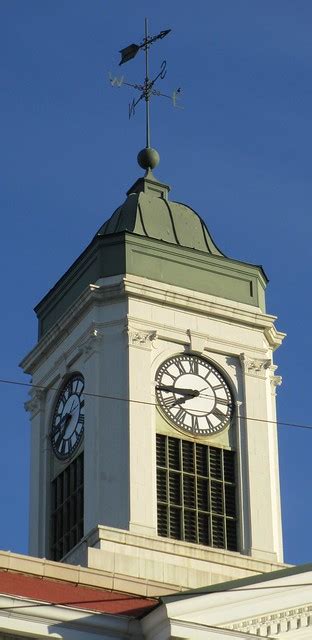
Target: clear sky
x=239 y=153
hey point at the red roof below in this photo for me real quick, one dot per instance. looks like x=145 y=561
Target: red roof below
x=74 y=595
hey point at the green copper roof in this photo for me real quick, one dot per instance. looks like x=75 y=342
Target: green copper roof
x=148 y=212
x=152 y=237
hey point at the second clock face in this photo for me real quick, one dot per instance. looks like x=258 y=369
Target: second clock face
x=194 y=395
x=68 y=418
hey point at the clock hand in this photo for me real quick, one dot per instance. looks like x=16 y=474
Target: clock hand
x=64 y=424
x=192 y=393
x=182 y=400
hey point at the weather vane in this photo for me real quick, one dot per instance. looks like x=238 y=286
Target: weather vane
x=147 y=88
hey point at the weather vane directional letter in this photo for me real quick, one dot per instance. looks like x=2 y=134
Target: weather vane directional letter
x=146 y=89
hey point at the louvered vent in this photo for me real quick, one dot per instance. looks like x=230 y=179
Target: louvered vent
x=196 y=493
x=67 y=509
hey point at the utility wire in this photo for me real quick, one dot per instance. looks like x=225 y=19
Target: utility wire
x=154 y=404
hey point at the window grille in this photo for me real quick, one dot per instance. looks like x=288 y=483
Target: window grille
x=196 y=493
x=67 y=509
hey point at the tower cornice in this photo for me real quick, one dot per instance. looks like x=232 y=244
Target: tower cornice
x=123 y=287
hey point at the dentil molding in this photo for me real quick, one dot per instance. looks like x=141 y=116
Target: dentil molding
x=275 y=623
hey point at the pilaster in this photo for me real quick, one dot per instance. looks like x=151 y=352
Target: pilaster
x=142 y=453
x=259 y=421
x=38 y=473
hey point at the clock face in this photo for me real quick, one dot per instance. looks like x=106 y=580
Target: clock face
x=193 y=394
x=68 y=418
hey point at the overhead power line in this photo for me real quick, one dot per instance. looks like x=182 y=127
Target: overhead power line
x=154 y=404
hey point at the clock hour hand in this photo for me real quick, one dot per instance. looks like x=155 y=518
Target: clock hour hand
x=64 y=422
x=182 y=400
x=191 y=393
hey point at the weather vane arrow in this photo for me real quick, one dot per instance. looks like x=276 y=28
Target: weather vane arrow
x=130 y=52
x=147 y=88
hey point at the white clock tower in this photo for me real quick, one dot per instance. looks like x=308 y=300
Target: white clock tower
x=154 y=444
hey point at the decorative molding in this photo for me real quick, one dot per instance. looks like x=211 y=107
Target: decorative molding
x=255 y=366
x=34 y=404
x=275 y=623
x=151 y=291
x=145 y=339
x=198 y=341
x=275 y=381
x=93 y=294
x=211 y=306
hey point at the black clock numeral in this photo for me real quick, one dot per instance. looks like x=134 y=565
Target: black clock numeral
x=63 y=447
x=166 y=373
x=81 y=418
x=58 y=438
x=218 y=386
x=80 y=387
x=180 y=367
x=223 y=401
x=219 y=414
x=194 y=367
x=169 y=402
x=210 y=425
x=180 y=415
x=81 y=404
x=195 y=423
x=72 y=440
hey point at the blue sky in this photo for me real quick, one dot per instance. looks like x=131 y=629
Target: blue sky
x=239 y=153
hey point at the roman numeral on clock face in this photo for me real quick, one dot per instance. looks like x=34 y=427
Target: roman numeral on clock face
x=219 y=414
x=195 y=423
x=180 y=415
x=169 y=401
x=180 y=367
x=194 y=367
x=223 y=401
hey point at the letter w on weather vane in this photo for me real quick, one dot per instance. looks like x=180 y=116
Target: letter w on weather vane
x=147 y=88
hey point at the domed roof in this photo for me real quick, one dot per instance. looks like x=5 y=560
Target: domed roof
x=148 y=212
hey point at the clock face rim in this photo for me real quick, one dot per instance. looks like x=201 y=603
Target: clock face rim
x=77 y=417
x=194 y=429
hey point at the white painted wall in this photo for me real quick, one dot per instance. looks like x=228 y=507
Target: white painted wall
x=117 y=335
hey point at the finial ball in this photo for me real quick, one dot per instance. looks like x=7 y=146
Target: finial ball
x=148 y=158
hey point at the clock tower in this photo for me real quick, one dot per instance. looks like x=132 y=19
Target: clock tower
x=154 y=440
